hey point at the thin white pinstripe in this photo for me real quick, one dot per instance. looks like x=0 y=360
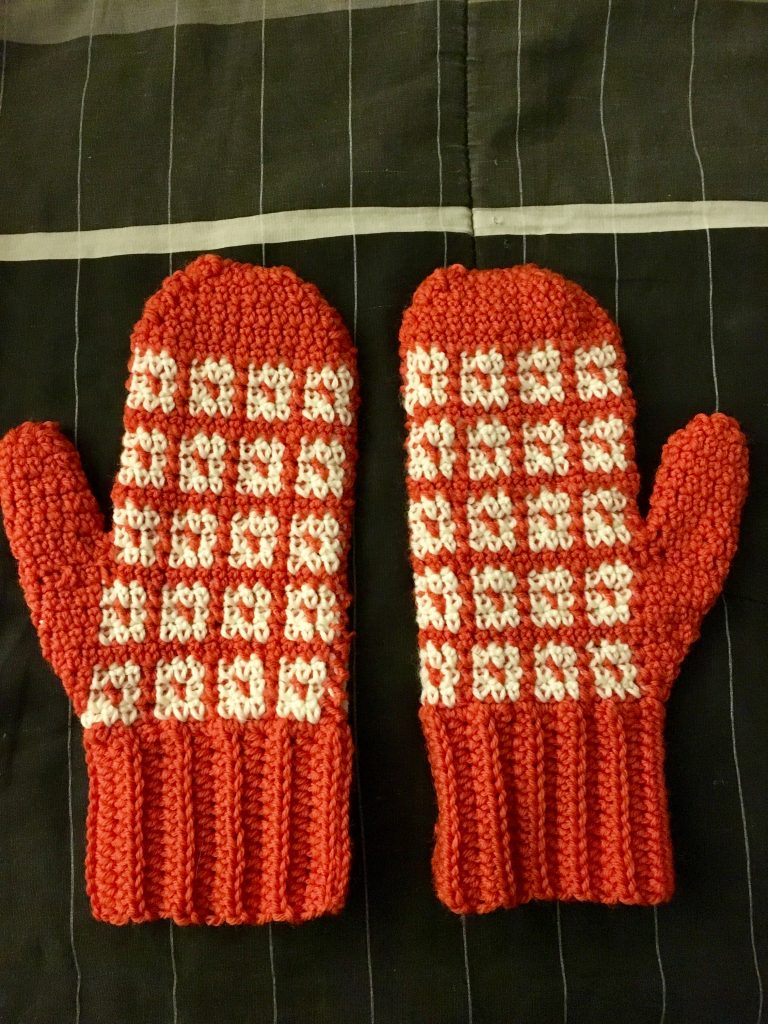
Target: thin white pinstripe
x=75 y=382
x=731 y=695
x=353 y=547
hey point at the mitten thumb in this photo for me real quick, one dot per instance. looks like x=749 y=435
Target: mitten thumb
x=693 y=521
x=52 y=520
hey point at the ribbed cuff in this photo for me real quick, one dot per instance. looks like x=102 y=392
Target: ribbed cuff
x=555 y=801
x=218 y=822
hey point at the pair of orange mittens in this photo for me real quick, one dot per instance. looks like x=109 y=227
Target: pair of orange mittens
x=203 y=641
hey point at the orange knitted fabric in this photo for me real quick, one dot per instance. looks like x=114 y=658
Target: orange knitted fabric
x=203 y=640
x=552 y=618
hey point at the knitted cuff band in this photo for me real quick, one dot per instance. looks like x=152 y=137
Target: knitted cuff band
x=580 y=787
x=218 y=822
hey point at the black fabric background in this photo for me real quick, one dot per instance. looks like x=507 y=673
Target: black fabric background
x=425 y=964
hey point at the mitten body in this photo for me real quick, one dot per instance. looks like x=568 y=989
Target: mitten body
x=552 y=618
x=203 y=639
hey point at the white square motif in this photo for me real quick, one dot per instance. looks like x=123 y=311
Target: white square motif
x=260 y=467
x=491 y=523
x=602 y=447
x=430 y=450
x=495 y=599
x=551 y=598
x=437 y=600
x=489 y=450
x=241 y=688
x=483 y=380
x=496 y=672
x=184 y=613
x=613 y=671
x=152 y=383
x=327 y=394
x=193 y=538
x=597 y=375
x=123 y=613
x=309 y=611
x=113 y=695
x=549 y=521
x=426 y=378
x=269 y=392
x=179 y=689
x=545 y=448
x=607 y=593
x=431 y=526
x=439 y=674
x=315 y=544
x=556 y=671
x=135 y=534
x=201 y=463
x=539 y=375
x=604 y=518
x=211 y=387
x=143 y=458
x=300 y=688
x=253 y=540
x=320 y=469
x=246 y=613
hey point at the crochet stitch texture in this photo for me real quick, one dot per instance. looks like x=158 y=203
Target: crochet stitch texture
x=552 y=619
x=203 y=641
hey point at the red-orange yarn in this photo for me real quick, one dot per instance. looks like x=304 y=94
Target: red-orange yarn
x=552 y=618
x=203 y=641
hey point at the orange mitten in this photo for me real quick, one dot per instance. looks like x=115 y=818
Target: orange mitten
x=203 y=640
x=552 y=618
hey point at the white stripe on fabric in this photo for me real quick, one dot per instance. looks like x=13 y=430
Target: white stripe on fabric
x=467 y=980
x=729 y=645
x=76 y=425
x=517 y=120
x=306 y=225
x=561 y=957
x=439 y=124
x=352 y=228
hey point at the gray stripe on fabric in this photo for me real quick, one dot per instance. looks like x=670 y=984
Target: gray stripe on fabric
x=305 y=225
x=50 y=21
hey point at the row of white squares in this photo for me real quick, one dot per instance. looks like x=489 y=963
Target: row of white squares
x=497 y=672
x=212 y=389
x=315 y=542
x=488 y=380
x=310 y=613
x=179 y=689
x=202 y=464
x=551 y=594
x=433 y=451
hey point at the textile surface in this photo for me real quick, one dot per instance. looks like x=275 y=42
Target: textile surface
x=621 y=144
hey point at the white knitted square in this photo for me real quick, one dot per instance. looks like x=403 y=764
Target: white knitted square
x=438 y=600
x=241 y=688
x=491 y=522
x=211 y=387
x=179 y=689
x=607 y=593
x=152 y=382
x=439 y=674
x=315 y=543
x=483 y=379
x=493 y=589
x=549 y=521
x=269 y=392
x=135 y=534
x=613 y=670
x=193 y=538
x=320 y=469
x=113 y=695
x=489 y=450
x=246 y=613
x=260 y=468
x=311 y=611
x=539 y=375
x=327 y=394
x=556 y=672
x=431 y=526
x=184 y=613
x=143 y=458
x=496 y=672
x=602 y=447
x=426 y=378
x=603 y=512
x=545 y=448
x=201 y=463
x=597 y=375
x=430 y=450
x=300 y=688
x=123 y=613
x=253 y=540
x=551 y=597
